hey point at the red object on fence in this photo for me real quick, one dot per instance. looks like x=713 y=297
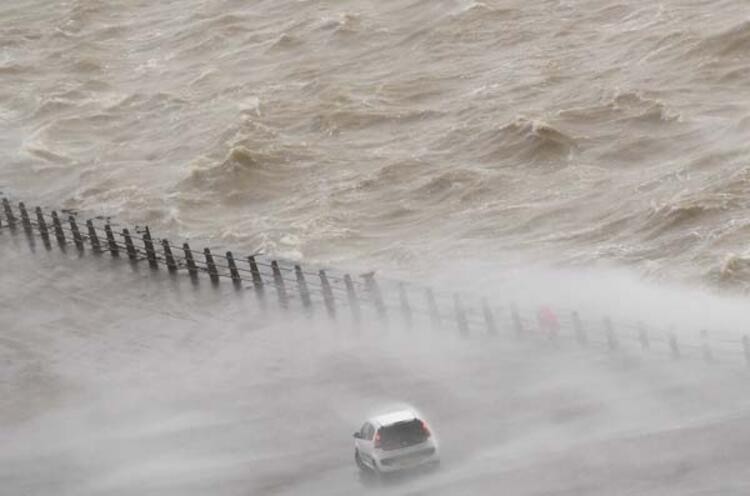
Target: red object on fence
x=548 y=321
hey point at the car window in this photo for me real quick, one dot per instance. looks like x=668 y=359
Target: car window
x=369 y=432
x=402 y=434
x=363 y=430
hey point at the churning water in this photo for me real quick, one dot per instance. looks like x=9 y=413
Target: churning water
x=395 y=132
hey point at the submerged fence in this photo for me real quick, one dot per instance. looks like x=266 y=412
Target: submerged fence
x=362 y=298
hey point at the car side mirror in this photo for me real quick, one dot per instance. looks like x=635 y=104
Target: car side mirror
x=357 y=435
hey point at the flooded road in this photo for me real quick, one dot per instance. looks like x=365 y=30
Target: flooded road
x=119 y=380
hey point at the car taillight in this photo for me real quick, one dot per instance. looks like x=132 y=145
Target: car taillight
x=425 y=429
x=378 y=442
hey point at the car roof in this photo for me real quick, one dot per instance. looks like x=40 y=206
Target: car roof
x=393 y=417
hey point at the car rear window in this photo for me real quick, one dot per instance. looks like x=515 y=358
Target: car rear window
x=402 y=434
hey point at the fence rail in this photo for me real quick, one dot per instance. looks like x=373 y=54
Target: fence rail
x=338 y=294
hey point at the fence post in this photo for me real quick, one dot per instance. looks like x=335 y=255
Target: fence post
x=377 y=298
x=517 y=324
x=129 y=246
x=673 y=347
x=463 y=325
x=9 y=214
x=211 y=266
x=708 y=355
x=168 y=256
x=304 y=292
x=77 y=238
x=25 y=220
x=236 y=279
x=746 y=348
x=111 y=243
x=148 y=244
x=278 y=281
x=190 y=262
x=352 y=298
x=611 y=336
x=42 y=225
x=432 y=308
x=404 y=304
x=328 y=299
x=93 y=238
x=489 y=319
x=580 y=331
x=57 y=225
x=255 y=271
x=643 y=336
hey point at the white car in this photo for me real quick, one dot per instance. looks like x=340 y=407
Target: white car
x=395 y=441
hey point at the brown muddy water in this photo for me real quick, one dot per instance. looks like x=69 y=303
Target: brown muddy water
x=395 y=132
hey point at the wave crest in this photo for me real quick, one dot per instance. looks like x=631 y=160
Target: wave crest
x=734 y=271
x=256 y=166
x=623 y=107
x=529 y=140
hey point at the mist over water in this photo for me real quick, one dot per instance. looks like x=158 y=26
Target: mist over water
x=588 y=155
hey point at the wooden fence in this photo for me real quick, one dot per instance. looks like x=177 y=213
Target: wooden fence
x=364 y=298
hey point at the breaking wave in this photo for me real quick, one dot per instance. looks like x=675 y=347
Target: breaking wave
x=528 y=141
